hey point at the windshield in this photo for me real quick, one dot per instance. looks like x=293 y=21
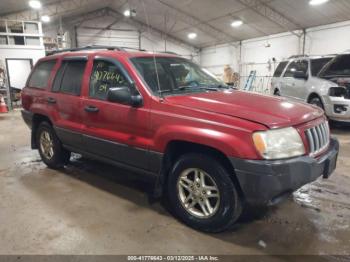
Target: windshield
x=339 y=66
x=318 y=64
x=175 y=75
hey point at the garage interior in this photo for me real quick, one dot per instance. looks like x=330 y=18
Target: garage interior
x=90 y=208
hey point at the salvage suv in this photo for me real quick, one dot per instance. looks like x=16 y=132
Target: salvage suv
x=212 y=149
x=318 y=80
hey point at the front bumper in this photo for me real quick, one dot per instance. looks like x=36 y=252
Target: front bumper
x=265 y=182
x=332 y=102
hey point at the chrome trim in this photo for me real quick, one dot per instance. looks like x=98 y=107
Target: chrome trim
x=318 y=138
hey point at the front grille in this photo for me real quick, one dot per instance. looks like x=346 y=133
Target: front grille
x=318 y=137
x=347 y=93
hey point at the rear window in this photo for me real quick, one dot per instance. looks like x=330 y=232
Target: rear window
x=318 y=64
x=279 y=69
x=41 y=74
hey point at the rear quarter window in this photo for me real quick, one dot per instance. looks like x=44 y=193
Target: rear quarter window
x=41 y=74
x=279 y=69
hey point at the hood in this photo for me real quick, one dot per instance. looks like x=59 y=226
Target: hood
x=273 y=112
x=339 y=80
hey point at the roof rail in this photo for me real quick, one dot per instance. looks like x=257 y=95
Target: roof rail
x=169 y=52
x=92 y=47
x=89 y=47
x=297 y=56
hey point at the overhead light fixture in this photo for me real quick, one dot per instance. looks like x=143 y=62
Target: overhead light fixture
x=237 y=23
x=317 y=2
x=35 y=4
x=130 y=13
x=192 y=35
x=45 y=18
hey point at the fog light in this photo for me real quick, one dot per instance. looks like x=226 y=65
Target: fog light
x=340 y=109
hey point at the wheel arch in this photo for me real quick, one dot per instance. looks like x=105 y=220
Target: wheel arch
x=313 y=95
x=36 y=120
x=275 y=90
x=177 y=148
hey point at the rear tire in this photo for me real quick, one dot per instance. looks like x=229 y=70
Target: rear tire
x=277 y=93
x=191 y=205
x=316 y=101
x=50 y=147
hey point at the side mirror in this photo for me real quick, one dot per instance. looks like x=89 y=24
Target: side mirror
x=123 y=95
x=300 y=75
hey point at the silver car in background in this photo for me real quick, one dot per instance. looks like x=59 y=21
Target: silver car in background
x=323 y=81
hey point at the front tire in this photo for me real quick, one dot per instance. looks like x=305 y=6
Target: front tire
x=277 y=93
x=317 y=102
x=50 y=148
x=202 y=194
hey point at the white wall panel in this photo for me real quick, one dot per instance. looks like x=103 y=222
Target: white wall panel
x=22 y=52
x=328 y=39
x=255 y=55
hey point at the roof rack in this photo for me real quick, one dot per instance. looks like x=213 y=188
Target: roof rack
x=169 y=52
x=89 y=47
x=92 y=47
x=297 y=56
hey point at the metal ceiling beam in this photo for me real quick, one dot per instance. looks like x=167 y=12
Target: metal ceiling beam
x=145 y=28
x=73 y=20
x=272 y=15
x=59 y=8
x=201 y=25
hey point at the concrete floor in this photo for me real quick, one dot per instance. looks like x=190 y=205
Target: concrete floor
x=91 y=208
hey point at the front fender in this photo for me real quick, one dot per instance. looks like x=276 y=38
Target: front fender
x=238 y=145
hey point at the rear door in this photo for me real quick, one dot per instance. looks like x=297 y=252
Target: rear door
x=65 y=101
x=114 y=131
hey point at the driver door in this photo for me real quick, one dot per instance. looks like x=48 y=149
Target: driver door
x=114 y=131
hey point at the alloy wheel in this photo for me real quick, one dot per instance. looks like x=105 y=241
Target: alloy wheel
x=198 y=193
x=46 y=145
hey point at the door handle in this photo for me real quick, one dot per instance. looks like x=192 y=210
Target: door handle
x=51 y=100
x=91 y=109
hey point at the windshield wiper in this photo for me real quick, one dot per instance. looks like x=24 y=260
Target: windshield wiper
x=197 y=87
x=221 y=86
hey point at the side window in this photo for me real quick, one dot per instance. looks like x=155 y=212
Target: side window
x=104 y=76
x=69 y=77
x=58 y=78
x=301 y=65
x=291 y=69
x=279 y=69
x=40 y=76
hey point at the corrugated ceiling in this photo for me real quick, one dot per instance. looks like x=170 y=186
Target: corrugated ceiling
x=180 y=17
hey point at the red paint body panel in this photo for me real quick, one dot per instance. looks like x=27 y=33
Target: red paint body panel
x=222 y=120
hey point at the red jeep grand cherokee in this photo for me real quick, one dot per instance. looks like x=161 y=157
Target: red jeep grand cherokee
x=213 y=149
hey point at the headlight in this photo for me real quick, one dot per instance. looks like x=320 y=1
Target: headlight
x=337 y=91
x=279 y=143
